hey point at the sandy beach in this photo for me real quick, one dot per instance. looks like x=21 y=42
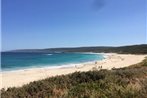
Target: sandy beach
x=21 y=77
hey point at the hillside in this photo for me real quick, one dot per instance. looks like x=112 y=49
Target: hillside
x=127 y=82
x=133 y=49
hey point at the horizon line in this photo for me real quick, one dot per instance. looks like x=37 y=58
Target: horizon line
x=72 y=47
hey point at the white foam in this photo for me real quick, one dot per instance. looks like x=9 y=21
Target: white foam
x=48 y=54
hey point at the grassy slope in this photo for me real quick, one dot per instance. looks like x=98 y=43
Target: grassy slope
x=130 y=82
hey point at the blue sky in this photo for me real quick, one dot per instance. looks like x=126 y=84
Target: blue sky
x=28 y=24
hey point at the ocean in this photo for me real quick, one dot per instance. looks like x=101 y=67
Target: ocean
x=19 y=61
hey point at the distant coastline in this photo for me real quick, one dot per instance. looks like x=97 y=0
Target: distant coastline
x=129 y=49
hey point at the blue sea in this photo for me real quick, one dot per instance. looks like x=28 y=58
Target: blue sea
x=19 y=61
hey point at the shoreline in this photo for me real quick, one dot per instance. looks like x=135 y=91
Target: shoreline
x=111 y=60
x=70 y=65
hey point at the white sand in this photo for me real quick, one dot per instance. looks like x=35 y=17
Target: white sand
x=19 y=78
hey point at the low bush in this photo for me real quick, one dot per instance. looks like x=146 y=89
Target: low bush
x=129 y=82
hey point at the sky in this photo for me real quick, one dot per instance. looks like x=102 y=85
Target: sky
x=36 y=24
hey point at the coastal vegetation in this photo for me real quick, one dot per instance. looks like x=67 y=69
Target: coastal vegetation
x=132 y=49
x=128 y=82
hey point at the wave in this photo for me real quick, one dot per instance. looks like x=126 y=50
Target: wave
x=43 y=67
x=55 y=61
x=48 y=54
x=47 y=66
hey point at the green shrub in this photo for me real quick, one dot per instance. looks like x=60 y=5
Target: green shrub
x=129 y=82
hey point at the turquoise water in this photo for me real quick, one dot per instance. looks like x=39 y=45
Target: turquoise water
x=17 y=61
